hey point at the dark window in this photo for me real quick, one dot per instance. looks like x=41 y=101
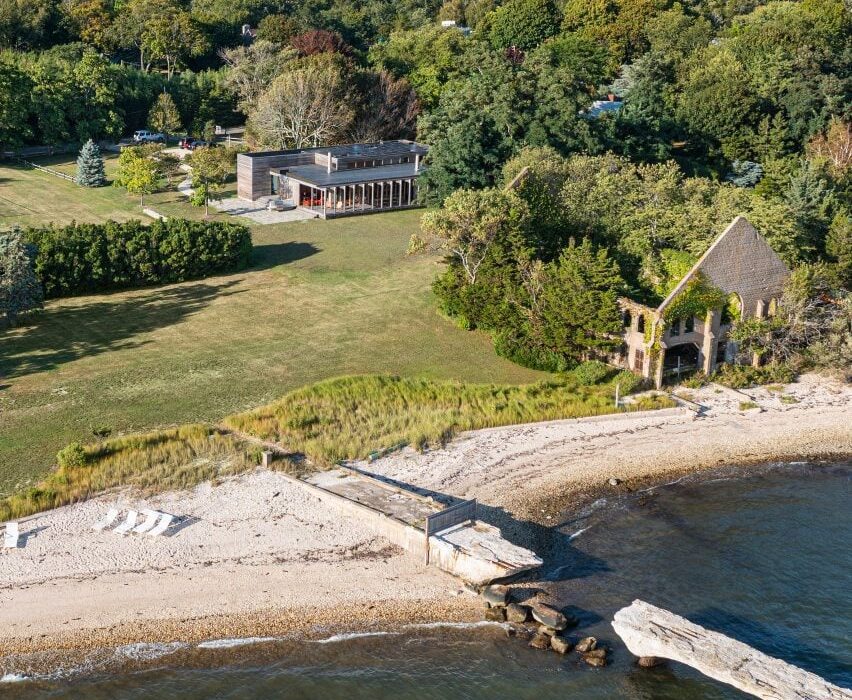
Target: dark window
x=640 y=326
x=627 y=319
x=689 y=325
x=675 y=329
x=721 y=350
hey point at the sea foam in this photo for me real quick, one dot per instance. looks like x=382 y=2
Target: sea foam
x=235 y=642
x=14 y=678
x=346 y=636
x=147 y=651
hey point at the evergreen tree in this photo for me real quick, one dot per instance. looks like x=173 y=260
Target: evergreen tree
x=20 y=290
x=839 y=246
x=90 y=166
x=745 y=173
x=164 y=115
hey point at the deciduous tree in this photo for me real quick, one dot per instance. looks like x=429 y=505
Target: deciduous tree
x=210 y=167
x=469 y=224
x=304 y=107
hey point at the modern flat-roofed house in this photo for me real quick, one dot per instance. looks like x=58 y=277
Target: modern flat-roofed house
x=358 y=178
x=741 y=264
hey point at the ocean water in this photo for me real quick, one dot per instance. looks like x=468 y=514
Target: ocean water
x=764 y=556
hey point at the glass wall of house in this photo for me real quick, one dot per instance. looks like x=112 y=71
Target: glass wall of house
x=357 y=198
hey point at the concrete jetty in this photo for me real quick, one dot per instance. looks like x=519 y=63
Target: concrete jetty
x=474 y=551
x=651 y=632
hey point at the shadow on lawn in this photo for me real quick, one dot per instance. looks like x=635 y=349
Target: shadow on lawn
x=66 y=333
x=264 y=257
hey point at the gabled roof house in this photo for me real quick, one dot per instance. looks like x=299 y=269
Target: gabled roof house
x=664 y=342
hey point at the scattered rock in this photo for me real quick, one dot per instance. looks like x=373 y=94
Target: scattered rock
x=560 y=645
x=597 y=652
x=586 y=644
x=614 y=482
x=549 y=617
x=496 y=595
x=650 y=661
x=594 y=660
x=495 y=614
x=517 y=613
x=519 y=631
x=540 y=641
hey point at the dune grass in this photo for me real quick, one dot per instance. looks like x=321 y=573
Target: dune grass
x=342 y=418
x=351 y=417
x=153 y=462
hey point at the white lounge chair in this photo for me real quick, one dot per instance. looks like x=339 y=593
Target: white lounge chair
x=150 y=519
x=107 y=520
x=10 y=537
x=163 y=525
x=128 y=524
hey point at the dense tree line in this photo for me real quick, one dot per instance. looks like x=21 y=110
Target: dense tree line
x=84 y=258
x=70 y=94
x=540 y=259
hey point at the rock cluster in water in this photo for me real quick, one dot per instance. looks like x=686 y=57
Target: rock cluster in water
x=540 y=625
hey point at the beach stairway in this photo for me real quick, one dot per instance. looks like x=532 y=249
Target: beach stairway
x=470 y=549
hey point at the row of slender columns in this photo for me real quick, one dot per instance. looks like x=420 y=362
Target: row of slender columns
x=389 y=194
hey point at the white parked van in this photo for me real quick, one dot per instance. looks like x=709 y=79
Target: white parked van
x=148 y=137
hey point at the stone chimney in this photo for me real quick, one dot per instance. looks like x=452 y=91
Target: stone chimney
x=329 y=162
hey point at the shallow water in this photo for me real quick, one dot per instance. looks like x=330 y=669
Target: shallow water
x=764 y=557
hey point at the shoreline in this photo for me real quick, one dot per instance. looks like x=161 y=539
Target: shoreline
x=45 y=654
x=263 y=559
x=539 y=472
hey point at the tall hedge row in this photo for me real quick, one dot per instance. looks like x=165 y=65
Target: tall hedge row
x=83 y=258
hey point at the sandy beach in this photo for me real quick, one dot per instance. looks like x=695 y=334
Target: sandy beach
x=538 y=471
x=258 y=556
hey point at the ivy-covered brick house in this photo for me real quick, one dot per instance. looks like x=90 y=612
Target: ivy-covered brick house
x=739 y=276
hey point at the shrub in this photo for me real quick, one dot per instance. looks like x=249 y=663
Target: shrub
x=653 y=402
x=748 y=405
x=71 y=456
x=696 y=381
x=84 y=258
x=514 y=348
x=591 y=372
x=627 y=381
x=744 y=376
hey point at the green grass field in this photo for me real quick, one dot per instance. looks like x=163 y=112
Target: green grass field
x=321 y=299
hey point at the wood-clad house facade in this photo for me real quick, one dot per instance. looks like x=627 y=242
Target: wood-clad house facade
x=359 y=178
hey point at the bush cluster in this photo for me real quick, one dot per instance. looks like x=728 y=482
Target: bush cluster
x=84 y=258
x=745 y=376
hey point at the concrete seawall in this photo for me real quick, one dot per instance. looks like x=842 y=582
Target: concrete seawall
x=475 y=552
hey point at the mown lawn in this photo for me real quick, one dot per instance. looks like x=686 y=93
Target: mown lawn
x=321 y=299
x=31 y=197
